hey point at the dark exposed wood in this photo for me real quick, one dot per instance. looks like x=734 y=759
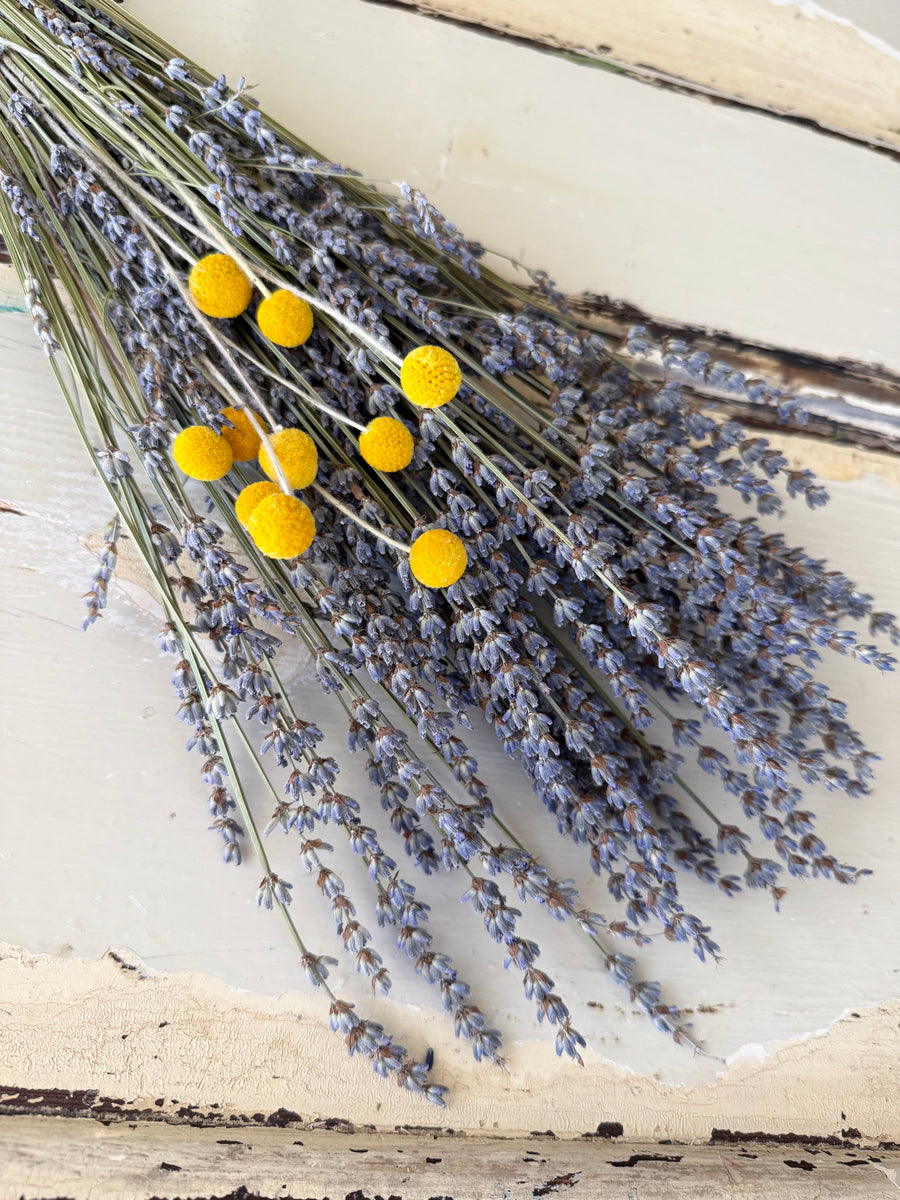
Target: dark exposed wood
x=846 y=401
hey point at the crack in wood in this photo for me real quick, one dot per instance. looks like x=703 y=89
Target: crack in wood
x=844 y=399
x=642 y=1158
x=59 y=1102
x=720 y=1137
x=569 y=1180
x=88 y=1103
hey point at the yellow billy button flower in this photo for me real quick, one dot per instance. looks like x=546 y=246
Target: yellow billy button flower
x=296 y=451
x=386 y=444
x=253 y=494
x=243 y=438
x=285 y=319
x=219 y=287
x=202 y=453
x=430 y=376
x=437 y=558
x=282 y=526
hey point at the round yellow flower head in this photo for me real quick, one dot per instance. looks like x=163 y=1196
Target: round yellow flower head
x=243 y=438
x=285 y=319
x=386 y=444
x=282 y=526
x=202 y=453
x=430 y=376
x=219 y=286
x=253 y=494
x=296 y=451
x=437 y=558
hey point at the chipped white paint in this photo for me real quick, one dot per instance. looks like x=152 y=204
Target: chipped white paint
x=117 y=812
x=410 y=1166
x=185 y=1038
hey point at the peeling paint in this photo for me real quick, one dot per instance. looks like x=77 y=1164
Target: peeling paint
x=224 y=1060
x=155 y=1059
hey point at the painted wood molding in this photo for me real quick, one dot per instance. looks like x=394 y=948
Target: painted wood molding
x=836 y=65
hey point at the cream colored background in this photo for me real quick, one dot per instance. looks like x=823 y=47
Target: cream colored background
x=696 y=212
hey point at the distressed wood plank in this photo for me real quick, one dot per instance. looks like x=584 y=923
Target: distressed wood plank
x=842 y=399
x=835 y=64
x=44 y=1158
x=758 y=1098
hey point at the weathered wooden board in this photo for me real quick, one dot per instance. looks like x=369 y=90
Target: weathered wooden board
x=44 y=1157
x=836 y=64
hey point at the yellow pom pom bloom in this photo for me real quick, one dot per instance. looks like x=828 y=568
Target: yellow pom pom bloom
x=386 y=444
x=243 y=438
x=430 y=376
x=285 y=319
x=253 y=494
x=296 y=451
x=437 y=558
x=282 y=526
x=201 y=453
x=219 y=286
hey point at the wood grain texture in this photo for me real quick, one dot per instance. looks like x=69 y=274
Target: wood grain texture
x=711 y=216
x=42 y=1158
x=842 y=399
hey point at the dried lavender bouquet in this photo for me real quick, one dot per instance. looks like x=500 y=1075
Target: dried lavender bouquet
x=498 y=512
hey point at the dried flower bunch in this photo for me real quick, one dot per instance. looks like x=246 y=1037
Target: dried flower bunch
x=502 y=517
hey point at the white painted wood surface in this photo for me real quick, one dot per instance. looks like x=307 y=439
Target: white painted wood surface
x=694 y=212
x=106 y=842
x=184 y=1047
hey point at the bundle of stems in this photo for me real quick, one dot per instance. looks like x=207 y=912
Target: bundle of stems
x=606 y=586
